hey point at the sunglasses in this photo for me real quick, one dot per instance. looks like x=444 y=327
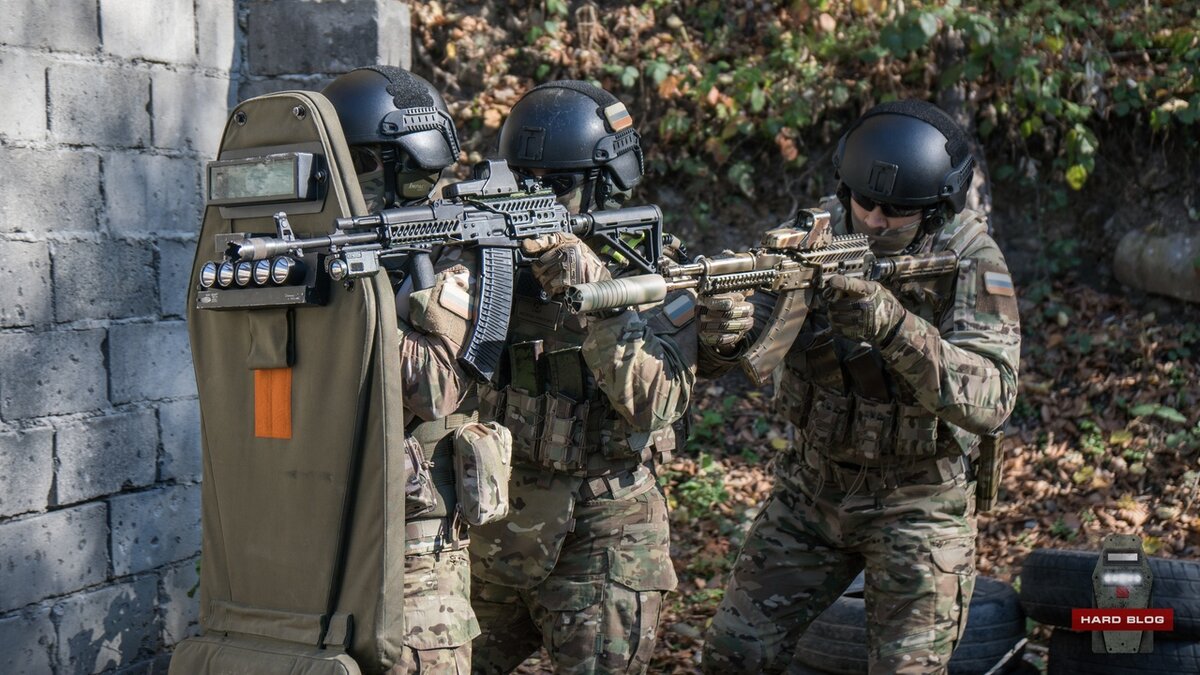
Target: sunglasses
x=889 y=210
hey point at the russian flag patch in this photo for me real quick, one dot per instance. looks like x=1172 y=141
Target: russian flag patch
x=618 y=116
x=998 y=283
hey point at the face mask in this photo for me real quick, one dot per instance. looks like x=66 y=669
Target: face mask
x=887 y=241
x=371 y=184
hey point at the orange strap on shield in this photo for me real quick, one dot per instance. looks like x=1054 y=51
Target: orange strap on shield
x=273 y=403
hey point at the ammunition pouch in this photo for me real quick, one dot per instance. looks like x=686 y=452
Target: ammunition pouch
x=483 y=466
x=419 y=495
x=916 y=432
x=436 y=441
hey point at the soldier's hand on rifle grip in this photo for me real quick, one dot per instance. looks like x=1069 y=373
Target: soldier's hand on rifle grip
x=445 y=308
x=861 y=310
x=724 y=319
x=563 y=260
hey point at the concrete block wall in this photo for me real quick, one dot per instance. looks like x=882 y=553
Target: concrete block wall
x=110 y=110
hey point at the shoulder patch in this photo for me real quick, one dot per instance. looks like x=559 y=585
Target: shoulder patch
x=455 y=295
x=680 y=310
x=998 y=283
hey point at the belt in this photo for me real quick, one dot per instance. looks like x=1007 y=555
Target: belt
x=435 y=430
x=432 y=535
x=847 y=476
x=619 y=485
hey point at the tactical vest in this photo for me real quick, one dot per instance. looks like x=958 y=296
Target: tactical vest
x=559 y=419
x=846 y=406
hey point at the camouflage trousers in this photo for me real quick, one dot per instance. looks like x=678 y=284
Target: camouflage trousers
x=598 y=610
x=439 y=622
x=916 y=541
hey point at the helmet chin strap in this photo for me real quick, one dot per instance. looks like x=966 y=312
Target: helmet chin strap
x=389 y=157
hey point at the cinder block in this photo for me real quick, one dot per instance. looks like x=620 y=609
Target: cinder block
x=102 y=455
x=26 y=472
x=99 y=104
x=154 y=528
x=216 y=34
x=109 y=627
x=163 y=30
x=175 y=275
x=180 y=614
x=23 y=107
x=258 y=87
x=52 y=554
x=47 y=191
x=26 y=297
x=190 y=110
x=322 y=37
x=62 y=25
x=179 y=425
x=152 y=193
x=26 y=641
x=52 y=373
x=149 y=361
x=110 y=279
x=395 y=33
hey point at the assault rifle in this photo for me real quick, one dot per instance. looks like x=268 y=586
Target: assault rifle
x=792 y=262
x=493 y=212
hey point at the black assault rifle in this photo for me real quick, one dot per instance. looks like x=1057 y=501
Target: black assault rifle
x=494 y=212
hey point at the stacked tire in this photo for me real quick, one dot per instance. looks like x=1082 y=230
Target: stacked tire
x=836 y=642
x=1053 y=582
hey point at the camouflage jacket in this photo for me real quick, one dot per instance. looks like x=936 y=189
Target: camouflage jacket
x=948 y=374
x=599 y=403
x=434 y=384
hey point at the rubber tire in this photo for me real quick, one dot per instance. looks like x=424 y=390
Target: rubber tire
x=1054 y=581
x=836 y=642
x=1071 y=653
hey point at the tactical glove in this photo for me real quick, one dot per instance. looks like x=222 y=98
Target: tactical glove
x=724 y=319
x=444 y=309
x=563 y=260
x=861 y=310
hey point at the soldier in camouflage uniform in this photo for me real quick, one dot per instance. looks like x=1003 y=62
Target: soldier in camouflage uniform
x=888 y=390
x=398 y=166
x=581 y=564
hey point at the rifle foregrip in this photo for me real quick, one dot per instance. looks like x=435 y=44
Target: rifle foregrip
x=616 y=293
x=482 y=352
x=765 y=355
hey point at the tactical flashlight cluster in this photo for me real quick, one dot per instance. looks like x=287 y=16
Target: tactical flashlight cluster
x=281 y=270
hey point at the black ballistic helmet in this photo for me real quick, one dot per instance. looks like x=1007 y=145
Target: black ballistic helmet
x=573 y=127
x=906 y=153
x=390 y=106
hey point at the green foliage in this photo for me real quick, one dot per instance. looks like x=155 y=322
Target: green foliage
x=750 y=90
x=705 y=490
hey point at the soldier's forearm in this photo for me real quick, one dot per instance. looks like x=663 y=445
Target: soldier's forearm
x=960 y=386
x=643 y=375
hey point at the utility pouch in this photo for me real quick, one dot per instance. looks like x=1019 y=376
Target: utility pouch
x=420 y=496
x=483 y=465
x=794 y=399
x=987 y=471
x=562 y=447
x=916 y=432
x=825 y=369
x=827 y=419
x=524 y=362
x=523 y=417
x=871 y=433
x=865 y=367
